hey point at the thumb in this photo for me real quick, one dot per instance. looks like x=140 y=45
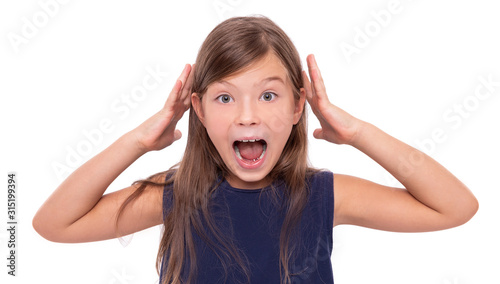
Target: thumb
x=177 y=134
x=318 y=133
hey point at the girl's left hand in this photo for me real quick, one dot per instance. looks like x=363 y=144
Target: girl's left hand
x=337 y=126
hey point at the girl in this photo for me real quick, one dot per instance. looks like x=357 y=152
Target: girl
x=243 y=206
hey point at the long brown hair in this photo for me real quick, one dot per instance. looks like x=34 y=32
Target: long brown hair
x=233 y=45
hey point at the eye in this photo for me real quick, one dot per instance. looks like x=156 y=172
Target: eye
x=268 y=96
x=224 y=99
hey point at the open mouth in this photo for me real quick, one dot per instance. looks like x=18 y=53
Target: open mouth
x=250 y=151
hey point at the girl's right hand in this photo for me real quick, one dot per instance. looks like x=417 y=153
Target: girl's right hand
x=159 y=130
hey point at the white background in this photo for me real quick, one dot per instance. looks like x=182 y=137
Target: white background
x=62 y=76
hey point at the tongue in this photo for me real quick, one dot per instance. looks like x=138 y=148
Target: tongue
x=250 y=150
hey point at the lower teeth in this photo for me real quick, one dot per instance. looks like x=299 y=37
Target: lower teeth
x=264 y=148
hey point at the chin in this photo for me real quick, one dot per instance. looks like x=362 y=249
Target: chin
x=249 y=180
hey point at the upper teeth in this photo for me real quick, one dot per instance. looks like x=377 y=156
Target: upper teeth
x=253 y=140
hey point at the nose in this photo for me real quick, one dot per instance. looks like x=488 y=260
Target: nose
x=248 y=114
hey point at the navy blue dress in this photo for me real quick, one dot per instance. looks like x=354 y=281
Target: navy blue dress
x=254 y=222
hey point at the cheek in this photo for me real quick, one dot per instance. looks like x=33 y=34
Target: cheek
x=216 y=131
x=280 y=119
x=217 y=127
x=218 y=138
x=215 y=117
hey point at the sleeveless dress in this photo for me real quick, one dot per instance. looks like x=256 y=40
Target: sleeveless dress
x=252 y=219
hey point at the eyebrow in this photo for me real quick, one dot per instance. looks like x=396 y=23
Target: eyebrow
x=273 y=78
x=265 y=80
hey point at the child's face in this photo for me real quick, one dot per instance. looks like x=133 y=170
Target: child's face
x=255 y=104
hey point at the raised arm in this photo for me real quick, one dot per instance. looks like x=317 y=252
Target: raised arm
x=77 y=211
x=433 y=198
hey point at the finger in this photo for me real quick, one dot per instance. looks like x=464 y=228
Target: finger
x=177 y=134
x=307 y=87
x=178 y=86
x=188 y=78
x=187 y=88
x=312 y=65
x=175 y=90
x=310 y=93
x=185 y=74
x=318 y=86
x=318 y=133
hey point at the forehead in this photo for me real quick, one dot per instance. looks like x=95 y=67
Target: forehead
x=267 y=69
